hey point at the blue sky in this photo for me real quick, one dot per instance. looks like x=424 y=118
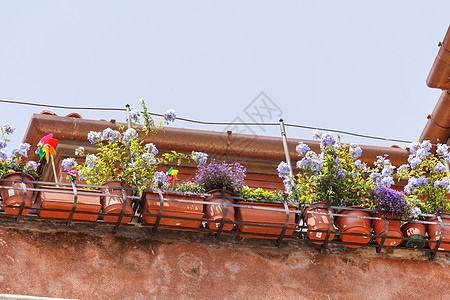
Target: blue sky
x=345 y=65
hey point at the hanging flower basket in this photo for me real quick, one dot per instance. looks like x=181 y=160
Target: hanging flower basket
x=434 y=232
x=151 y=205
x=352 y=224
x=216 y=212
x=318 y=222
x=379 y=227
x=62 y=198
x=414 y=230
x=114 y=204
x=264 y=217
x=13 y=193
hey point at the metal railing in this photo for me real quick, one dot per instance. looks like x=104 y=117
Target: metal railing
x=163 y=210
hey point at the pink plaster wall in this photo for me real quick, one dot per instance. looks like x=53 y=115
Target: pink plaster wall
x=186 y=266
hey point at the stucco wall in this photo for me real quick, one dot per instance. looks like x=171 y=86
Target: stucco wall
x=81 y=261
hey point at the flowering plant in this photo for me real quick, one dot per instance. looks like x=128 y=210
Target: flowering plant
x=393 y=202
x=217 y=175
x=122 y=154
x=428 y=177
x=335 y=172
x=17 y=162
x=249 y=194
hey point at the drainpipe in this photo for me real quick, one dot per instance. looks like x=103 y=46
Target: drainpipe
x=438 y=125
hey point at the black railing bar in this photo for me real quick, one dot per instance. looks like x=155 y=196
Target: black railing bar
x=224 y=214
x=124 y=202
x=65 y=211
x=330 y=225
x=275 y=226
x=25 y=192
x=438 y=244
x=181 y=200
x=262 y=235
x=286 y=223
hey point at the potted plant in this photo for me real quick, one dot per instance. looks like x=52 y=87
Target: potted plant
x=173 y=201
x=17 y=174
x=57 y=201
x=428 y=181
x=123 y=162
x=393 y=207
x=221 y=181
x=252 y=210
x=338 y=175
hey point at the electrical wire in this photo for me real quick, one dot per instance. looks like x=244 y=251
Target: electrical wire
x=61 y=106
x=212 y=123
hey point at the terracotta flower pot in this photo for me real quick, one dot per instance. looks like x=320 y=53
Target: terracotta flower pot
x=216 y=212
x=173 y=208
x=414 y=231
x=14 y=197
x=434 y=232
x=379 y=227
x=266 y=217
x=63 y=198
x=351 y=224
x=114 y=204
x=318 y=222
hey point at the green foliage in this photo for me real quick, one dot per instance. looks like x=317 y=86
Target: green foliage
x=249 y=194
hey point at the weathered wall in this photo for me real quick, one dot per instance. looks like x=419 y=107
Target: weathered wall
x=41 y=260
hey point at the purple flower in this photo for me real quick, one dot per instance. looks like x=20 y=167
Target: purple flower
x=283 y=169
x=3 y=144
x=79 y=150
x=355 y=151
x=358 y=164
x=441 y=183
x=170 y=115
x=414 y=161
x=217 y=175
x=68 y=163
x=151 y=148
x=440 y=167
x=134 y=114
x=129 y=134
x=110 y=135
x=91 y=161
x=316 y=135
x=413 y=147
x=392 y=202
x=387 y=181
x=8 y=128
x=32 y=165
x=302 y=148
x=22 y=150
x=327 y=139
x=3 y=154
x=340 y=174
x=159 y=178
x=200 y=157
x=94 y=137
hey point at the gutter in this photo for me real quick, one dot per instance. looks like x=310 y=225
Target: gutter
x=181 y=139
x=438 y=125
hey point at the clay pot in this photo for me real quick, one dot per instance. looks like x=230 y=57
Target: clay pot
x=174 y=209
x=264 y=217
x=62 y=198
x=318 y=222
x=114 y=205
x=14 y=197
x=434 y=232
x=414 y=231
x=216 y=212
x=351 y=224
x=379 y=227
